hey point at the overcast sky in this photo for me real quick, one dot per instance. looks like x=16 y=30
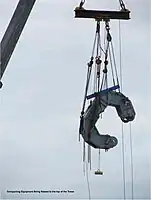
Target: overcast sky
x=42 y=97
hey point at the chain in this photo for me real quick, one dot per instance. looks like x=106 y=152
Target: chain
x=122 y=5
x=81 y=4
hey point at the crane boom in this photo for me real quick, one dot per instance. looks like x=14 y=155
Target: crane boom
x=13 y=31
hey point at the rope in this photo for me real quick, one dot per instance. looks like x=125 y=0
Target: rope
x=103 y=79
x=123 y=163
x=99 y=160
x=98 y=57
x=132 y=168
x=121 y=81
x=87 y=84
x=108 y=38
x=97 y=43
x=88 y=153
x=84 y=157
x=112 y=67
x=130 y=129
x=88 y=184
x=89 y=70
x=86 y=90
x=115 y=68
x=120 y=49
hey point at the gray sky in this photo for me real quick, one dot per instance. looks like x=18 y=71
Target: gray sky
x=42 y=97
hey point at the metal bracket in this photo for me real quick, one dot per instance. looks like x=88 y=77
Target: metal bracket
x=102 y=15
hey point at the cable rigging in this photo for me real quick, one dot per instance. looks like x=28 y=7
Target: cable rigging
x=132 y=167
x=122 y=127
x=102 y=62
x=130 y=131
x=121 y=3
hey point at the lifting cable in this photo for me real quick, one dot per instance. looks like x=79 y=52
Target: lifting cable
x=132 y=168
x=122 y=128
x=109 y=50
x=123 y=164
x=81 y=3
x=130 y=131
x=97 y=44
x=121 y=2
x=88 y=184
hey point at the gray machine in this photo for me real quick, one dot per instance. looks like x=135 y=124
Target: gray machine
x=103 y=95
x=88 y=129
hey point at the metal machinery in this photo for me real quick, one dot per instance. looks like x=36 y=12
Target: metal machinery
x=102 y=62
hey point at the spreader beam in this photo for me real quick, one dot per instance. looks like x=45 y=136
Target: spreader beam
x=102 y=14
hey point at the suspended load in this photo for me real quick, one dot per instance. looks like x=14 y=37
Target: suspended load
x=88 y=129
x=102 y=76
x=103 y=96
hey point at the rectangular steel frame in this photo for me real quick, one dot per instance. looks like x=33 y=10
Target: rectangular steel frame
x=102 y=14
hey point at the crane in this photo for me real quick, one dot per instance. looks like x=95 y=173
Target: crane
x=13 y=32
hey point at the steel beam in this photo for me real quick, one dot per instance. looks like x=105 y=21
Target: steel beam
x=102 y=14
